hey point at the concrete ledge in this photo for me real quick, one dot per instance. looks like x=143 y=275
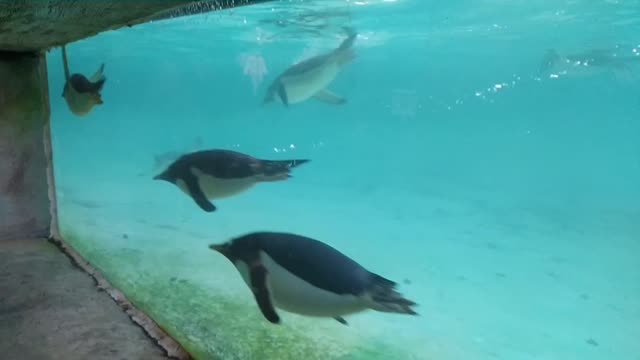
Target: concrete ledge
x=50 y=310
x=37 y=25
x=42 y=24
x=170 y=346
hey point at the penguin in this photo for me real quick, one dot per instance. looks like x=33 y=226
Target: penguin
x=588 y=63
x=215 y=174
x=308 y=277
x=310 y=77
x=82 y=94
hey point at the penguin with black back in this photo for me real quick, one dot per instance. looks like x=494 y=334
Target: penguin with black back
x=80 y=93
x=310 y=78
x=308 y=277
x=215 y=174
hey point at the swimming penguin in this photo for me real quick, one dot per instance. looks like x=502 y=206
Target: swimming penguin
x=307 y=277
x=215 y=174
x=310 y=77
x=82 y=94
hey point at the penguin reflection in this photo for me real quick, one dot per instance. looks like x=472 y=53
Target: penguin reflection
x=82 y=94
x=588 y=63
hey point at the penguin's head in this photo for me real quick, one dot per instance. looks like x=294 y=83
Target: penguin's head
x=167 y=175
x=239 y=248
x=268 y=98
x=225 y=249
x=550 y=59
x=271 y=93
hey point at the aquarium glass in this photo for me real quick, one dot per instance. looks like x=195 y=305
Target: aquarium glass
x=483 y=155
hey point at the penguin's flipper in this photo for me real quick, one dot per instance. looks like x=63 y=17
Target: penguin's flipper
x=341 y=320
x=98 y=79
x=197 y=195
x=261 y=293
x=328 y=97
x=282 y=92
x=98 y=75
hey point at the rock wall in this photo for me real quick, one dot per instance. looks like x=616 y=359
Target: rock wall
x=24 y=114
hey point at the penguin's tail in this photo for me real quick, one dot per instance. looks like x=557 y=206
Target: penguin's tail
x=382 y=296
x=347 y=43
x=279 y=168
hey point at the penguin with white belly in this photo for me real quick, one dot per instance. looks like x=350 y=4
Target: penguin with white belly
x=307 y=277
x=311 y=77
x=215 y=174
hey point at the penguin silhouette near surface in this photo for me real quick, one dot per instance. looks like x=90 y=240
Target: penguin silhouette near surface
x=589 y=63
x=307 y=277
x=80 y=93
x=215 y=174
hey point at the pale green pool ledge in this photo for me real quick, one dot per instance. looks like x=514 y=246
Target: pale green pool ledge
x=27 y=30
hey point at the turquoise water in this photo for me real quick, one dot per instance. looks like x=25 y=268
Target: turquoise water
x=504 y=201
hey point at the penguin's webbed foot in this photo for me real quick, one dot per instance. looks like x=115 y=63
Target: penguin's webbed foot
x=341 y=320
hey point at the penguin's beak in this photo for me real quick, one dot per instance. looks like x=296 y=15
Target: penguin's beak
x=162 y=176
x=221 y=248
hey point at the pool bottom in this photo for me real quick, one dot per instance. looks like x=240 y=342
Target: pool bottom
x=213 y=324
x=491 y=282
